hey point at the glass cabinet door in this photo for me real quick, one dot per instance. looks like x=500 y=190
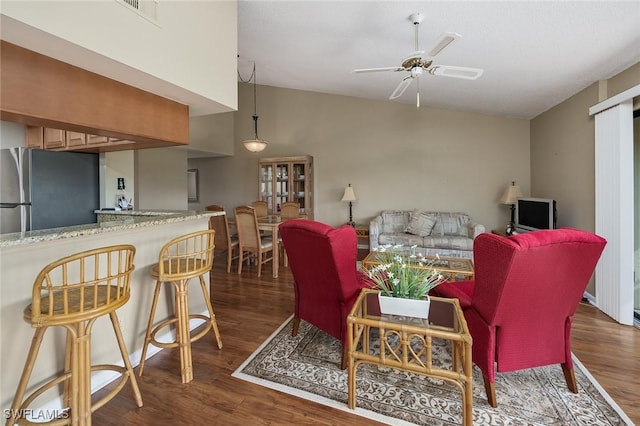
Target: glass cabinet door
x=282 y=185
x=266 y=185
x=298 y=185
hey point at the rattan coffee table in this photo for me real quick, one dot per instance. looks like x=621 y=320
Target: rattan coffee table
x=452 y=268
x=399 y=337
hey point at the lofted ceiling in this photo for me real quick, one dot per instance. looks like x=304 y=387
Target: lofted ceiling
x=535 y=54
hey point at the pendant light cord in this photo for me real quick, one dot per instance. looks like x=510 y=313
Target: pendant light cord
x=255 y=103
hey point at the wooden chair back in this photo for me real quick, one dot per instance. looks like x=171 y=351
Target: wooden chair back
x=214 y=208
x=82 y=286
x=247 y=227
x=261 y=208
x=220 y=224
x=290 y=210
x=187 y=256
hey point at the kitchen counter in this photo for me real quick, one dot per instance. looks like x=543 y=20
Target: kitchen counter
x=117 y=221
x=22 y=256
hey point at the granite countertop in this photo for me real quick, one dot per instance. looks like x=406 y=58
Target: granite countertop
x=135 y=219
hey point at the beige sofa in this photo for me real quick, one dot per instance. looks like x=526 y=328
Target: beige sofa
x=442 y=233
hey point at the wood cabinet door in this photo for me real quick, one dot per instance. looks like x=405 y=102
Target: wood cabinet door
x=34 y=137
x=75 y=139
x=96 y=139
x=54 y=138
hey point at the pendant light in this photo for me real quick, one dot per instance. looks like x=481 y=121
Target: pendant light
x=256 y=144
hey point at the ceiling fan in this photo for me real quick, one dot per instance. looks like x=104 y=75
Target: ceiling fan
x=418 y=63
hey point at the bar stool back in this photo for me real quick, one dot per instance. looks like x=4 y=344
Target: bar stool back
x=73 y=292
x=182 y=259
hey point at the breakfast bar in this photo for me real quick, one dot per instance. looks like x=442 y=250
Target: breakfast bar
x=23 y=255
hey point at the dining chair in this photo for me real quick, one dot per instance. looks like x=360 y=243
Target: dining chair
x=214 y=208
x=288 y=210
x=250 y=242
x=225 y=243
x=261 y=207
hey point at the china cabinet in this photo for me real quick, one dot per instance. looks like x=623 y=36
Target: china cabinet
x=283 y=179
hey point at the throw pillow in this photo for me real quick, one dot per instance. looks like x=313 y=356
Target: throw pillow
x=420 y=224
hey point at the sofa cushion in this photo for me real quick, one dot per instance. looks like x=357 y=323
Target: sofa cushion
x=420 y=223
x=448 y=242
x=450 y=224
x=395 y=220
x=400 y=238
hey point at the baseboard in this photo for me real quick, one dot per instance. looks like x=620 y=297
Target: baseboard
x=102 y=378
x=589 y=298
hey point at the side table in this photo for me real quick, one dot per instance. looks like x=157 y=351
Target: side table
x=446 y=321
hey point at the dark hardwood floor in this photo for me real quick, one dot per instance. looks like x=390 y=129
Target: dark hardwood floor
x=249 y=309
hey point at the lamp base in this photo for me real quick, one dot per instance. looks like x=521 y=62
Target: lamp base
x=351 y=223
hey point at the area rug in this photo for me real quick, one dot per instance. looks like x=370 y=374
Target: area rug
x=308 y=366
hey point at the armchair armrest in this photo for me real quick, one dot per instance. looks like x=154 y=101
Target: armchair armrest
x=375 y=227
x=474 y=229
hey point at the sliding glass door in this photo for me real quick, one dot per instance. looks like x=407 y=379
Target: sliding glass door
x=636 y=206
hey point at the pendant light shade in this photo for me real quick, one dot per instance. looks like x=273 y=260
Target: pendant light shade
x=256 y=144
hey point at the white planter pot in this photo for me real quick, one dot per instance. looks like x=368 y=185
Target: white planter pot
x=404 y=307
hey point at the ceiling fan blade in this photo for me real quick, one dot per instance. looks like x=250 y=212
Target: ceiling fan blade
x=456 y=72
x=378 y=69
x=445 y=40
x=401 y=87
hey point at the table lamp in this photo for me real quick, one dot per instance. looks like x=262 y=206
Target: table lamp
x=510 y=196
x=349 y=196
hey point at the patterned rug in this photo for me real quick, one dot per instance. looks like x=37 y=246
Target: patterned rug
x=308 y=366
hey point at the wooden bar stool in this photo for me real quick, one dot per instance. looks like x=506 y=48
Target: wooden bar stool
x=72 y=293
x=182 y=259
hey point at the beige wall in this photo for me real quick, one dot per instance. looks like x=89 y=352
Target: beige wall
x=394 y=155
x=160 y=179
x=562 y=159
x=563 y=152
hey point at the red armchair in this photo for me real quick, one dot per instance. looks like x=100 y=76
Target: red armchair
x=520 y=306
x=326 y=280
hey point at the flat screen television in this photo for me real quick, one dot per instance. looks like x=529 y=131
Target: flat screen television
x=535 y=213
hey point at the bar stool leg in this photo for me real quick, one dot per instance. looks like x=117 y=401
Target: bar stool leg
x=81 y=374
x=212 y=316
x=183 y=335
x=125 y=358
x=26 y=374
x=147 y=337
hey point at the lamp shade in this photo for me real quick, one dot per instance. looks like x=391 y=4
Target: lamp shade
x=511 y=194
x=255 y=145
x=349 y=195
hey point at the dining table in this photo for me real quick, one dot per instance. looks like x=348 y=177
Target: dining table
x=269 y=223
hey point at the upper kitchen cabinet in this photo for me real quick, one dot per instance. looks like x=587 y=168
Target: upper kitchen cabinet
x=286 y=179
x=66 y=140
x=33 y=85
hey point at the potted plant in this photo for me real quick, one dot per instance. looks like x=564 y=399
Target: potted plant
x=404 y=280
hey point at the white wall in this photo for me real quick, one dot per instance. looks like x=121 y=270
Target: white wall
x=119 y=164
x=192 y=46
x=11 y=134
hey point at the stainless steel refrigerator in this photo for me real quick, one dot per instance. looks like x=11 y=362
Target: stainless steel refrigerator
x=47 y=189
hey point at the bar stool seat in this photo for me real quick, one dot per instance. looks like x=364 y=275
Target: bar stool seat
x=73 y=292
x=182 y=259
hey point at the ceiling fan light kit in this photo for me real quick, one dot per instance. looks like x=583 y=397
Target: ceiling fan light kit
x=417 y=63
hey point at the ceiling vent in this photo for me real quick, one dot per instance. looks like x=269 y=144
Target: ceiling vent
x=146 y=8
